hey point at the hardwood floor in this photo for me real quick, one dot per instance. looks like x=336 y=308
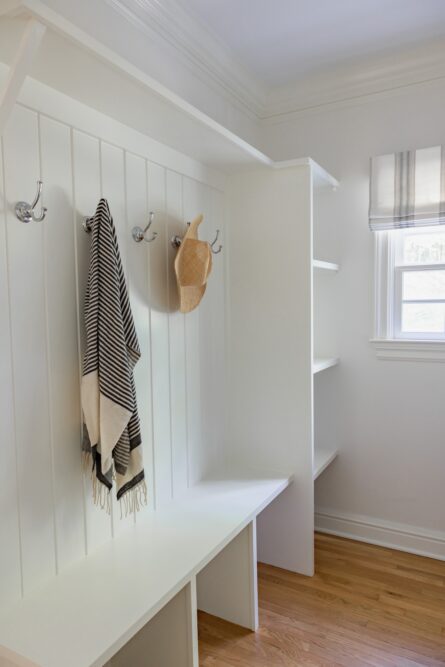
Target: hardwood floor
x=365 y=606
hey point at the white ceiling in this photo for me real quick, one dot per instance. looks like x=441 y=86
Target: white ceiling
x=279 y=41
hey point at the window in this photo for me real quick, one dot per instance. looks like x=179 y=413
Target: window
x=407 y=214
x=419 y=283
x=411 y=299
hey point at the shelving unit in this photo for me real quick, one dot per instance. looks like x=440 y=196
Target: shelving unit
x=323 y=364
x=322 y=458
x=326 y=266
x=324 y=302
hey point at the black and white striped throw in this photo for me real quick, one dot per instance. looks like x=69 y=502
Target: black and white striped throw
x=112 y=438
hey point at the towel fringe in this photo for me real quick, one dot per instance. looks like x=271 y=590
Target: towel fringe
x=132 y=501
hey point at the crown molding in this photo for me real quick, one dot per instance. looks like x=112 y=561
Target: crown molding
x=358 y=83
x=167 y=24
x=214 y=64
x=204 y=54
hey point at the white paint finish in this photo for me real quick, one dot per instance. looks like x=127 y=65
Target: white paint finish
x=20 y=66
x=321 y=364
x=87 y=190
x=62 y=340
x=322 y=458
x=327 y=266
x=137 y=255
x=193 y=205
x=10 y=585
x=384 y=533
x=155 y=110
x=113 y=189
x=57 y=251
x=27 y=285
x=166 y=640
x=390 y=437
x=212 y=342
x=160 y=353
x=272 y=42
x=193 y=623
x=130 y=579
x=270 y=350
x=227 y=586
x=176 y=322
x=406 y=350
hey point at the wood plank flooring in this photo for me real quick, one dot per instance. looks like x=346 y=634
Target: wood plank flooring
x=366 y=605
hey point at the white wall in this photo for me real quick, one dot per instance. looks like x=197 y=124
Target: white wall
x=391 y=415
x=47 y=516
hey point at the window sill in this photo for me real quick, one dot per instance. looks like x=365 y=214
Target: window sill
x=409 y=350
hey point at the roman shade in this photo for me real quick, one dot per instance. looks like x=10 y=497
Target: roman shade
x=407 y=189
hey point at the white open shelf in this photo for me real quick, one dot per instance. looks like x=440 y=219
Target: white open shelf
x=322 y=458
x=321 y=364
x=327 y=266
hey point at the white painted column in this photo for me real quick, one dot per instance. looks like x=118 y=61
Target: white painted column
x=227 y=586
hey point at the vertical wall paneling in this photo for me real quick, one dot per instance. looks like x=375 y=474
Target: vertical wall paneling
x=87 y=192
x=28 y=325
x=176 y=226
x=47 y=515
x=213 y=332
x=160 y=338
x=10 y=556
x=193 y=205
x=137 y=255
x=62 y=340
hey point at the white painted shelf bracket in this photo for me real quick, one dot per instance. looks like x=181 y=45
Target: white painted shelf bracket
x=20 y=67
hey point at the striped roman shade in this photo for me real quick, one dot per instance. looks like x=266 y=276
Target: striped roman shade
x=407 y=189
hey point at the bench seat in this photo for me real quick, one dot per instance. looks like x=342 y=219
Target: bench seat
x=86 y=614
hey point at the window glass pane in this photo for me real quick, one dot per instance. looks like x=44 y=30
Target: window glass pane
x=423 y=318
x=428 y=248
x=423 y=285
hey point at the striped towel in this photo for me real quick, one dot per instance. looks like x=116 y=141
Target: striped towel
x=112 y=438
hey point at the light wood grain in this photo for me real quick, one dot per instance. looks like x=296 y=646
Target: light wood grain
x=366 y=605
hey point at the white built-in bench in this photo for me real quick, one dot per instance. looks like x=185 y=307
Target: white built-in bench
x=134 y=601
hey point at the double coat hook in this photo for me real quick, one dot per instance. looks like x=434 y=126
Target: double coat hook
x=177 y=240
x=25 y=211
x=137 y=233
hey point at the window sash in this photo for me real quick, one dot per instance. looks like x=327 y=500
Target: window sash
x=398 y=301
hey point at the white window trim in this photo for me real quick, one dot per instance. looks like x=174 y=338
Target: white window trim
x=388 y=347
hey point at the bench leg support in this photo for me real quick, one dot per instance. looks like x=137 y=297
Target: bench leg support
x=170 y=639
x=227 y=586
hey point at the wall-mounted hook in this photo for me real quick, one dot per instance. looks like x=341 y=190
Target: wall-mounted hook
x=216 y=252
x=139 y=234
x=177 y=240
x=87 y=224
x=25 y=211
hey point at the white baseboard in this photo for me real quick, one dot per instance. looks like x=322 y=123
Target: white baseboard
x=398 y=536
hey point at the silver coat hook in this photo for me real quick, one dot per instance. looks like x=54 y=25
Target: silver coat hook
x=139 y=234
x=216 y=252
x=25 y=211
x=177 y=240
x=87 y=224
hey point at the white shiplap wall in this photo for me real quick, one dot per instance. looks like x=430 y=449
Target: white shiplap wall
x=47 y=518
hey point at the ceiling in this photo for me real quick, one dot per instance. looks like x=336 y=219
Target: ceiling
x=280 y=41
